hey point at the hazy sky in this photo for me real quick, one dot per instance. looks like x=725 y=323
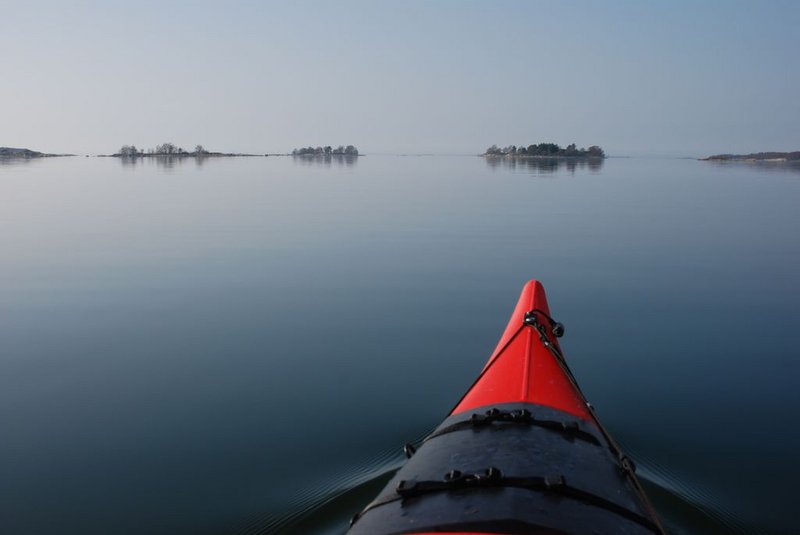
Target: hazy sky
x=447 y=77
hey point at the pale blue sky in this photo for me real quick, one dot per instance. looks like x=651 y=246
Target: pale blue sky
x=445 y=77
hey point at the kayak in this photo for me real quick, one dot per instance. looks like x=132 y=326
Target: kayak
x=522 y=452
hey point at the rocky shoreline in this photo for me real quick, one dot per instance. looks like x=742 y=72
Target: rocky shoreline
x=26 y=154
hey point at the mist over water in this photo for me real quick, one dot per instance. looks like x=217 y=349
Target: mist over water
x=243 y=345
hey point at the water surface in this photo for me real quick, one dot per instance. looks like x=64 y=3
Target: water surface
x=243 y=345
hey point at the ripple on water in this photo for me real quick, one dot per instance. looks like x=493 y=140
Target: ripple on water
x=327 y=506
x=687 y=508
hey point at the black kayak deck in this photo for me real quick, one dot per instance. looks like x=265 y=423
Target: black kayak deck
x=512 y=468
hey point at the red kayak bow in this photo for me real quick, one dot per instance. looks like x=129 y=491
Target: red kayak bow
x=524 y=367
x=522 y=452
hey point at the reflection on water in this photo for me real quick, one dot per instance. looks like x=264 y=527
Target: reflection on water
x=11 y=161
x=544 y=165
x=15 y=161
x=163 y=161
x=325 y=159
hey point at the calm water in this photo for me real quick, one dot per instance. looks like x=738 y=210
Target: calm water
x=243 y=346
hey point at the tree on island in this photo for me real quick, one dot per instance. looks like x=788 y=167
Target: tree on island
x=167 y=149
x=129 y=151
x=546 y=149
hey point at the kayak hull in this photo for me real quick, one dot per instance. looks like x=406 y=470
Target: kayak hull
x=521 y=453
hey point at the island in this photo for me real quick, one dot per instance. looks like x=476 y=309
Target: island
x=27 y=154
x=170 y=150
x=544 y=150
x=756 y=157
x=341 y=150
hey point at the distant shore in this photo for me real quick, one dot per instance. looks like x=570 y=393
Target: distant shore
x=755 y=157
x=545 y=150
x=349 y=151
x=183 y=155
x=171 y=150
x=131 y=153
x=27 y=154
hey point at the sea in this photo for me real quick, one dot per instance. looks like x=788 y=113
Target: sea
x=243 y=345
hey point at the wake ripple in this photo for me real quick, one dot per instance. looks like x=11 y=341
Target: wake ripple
x=687 y=508
x=371 y=473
